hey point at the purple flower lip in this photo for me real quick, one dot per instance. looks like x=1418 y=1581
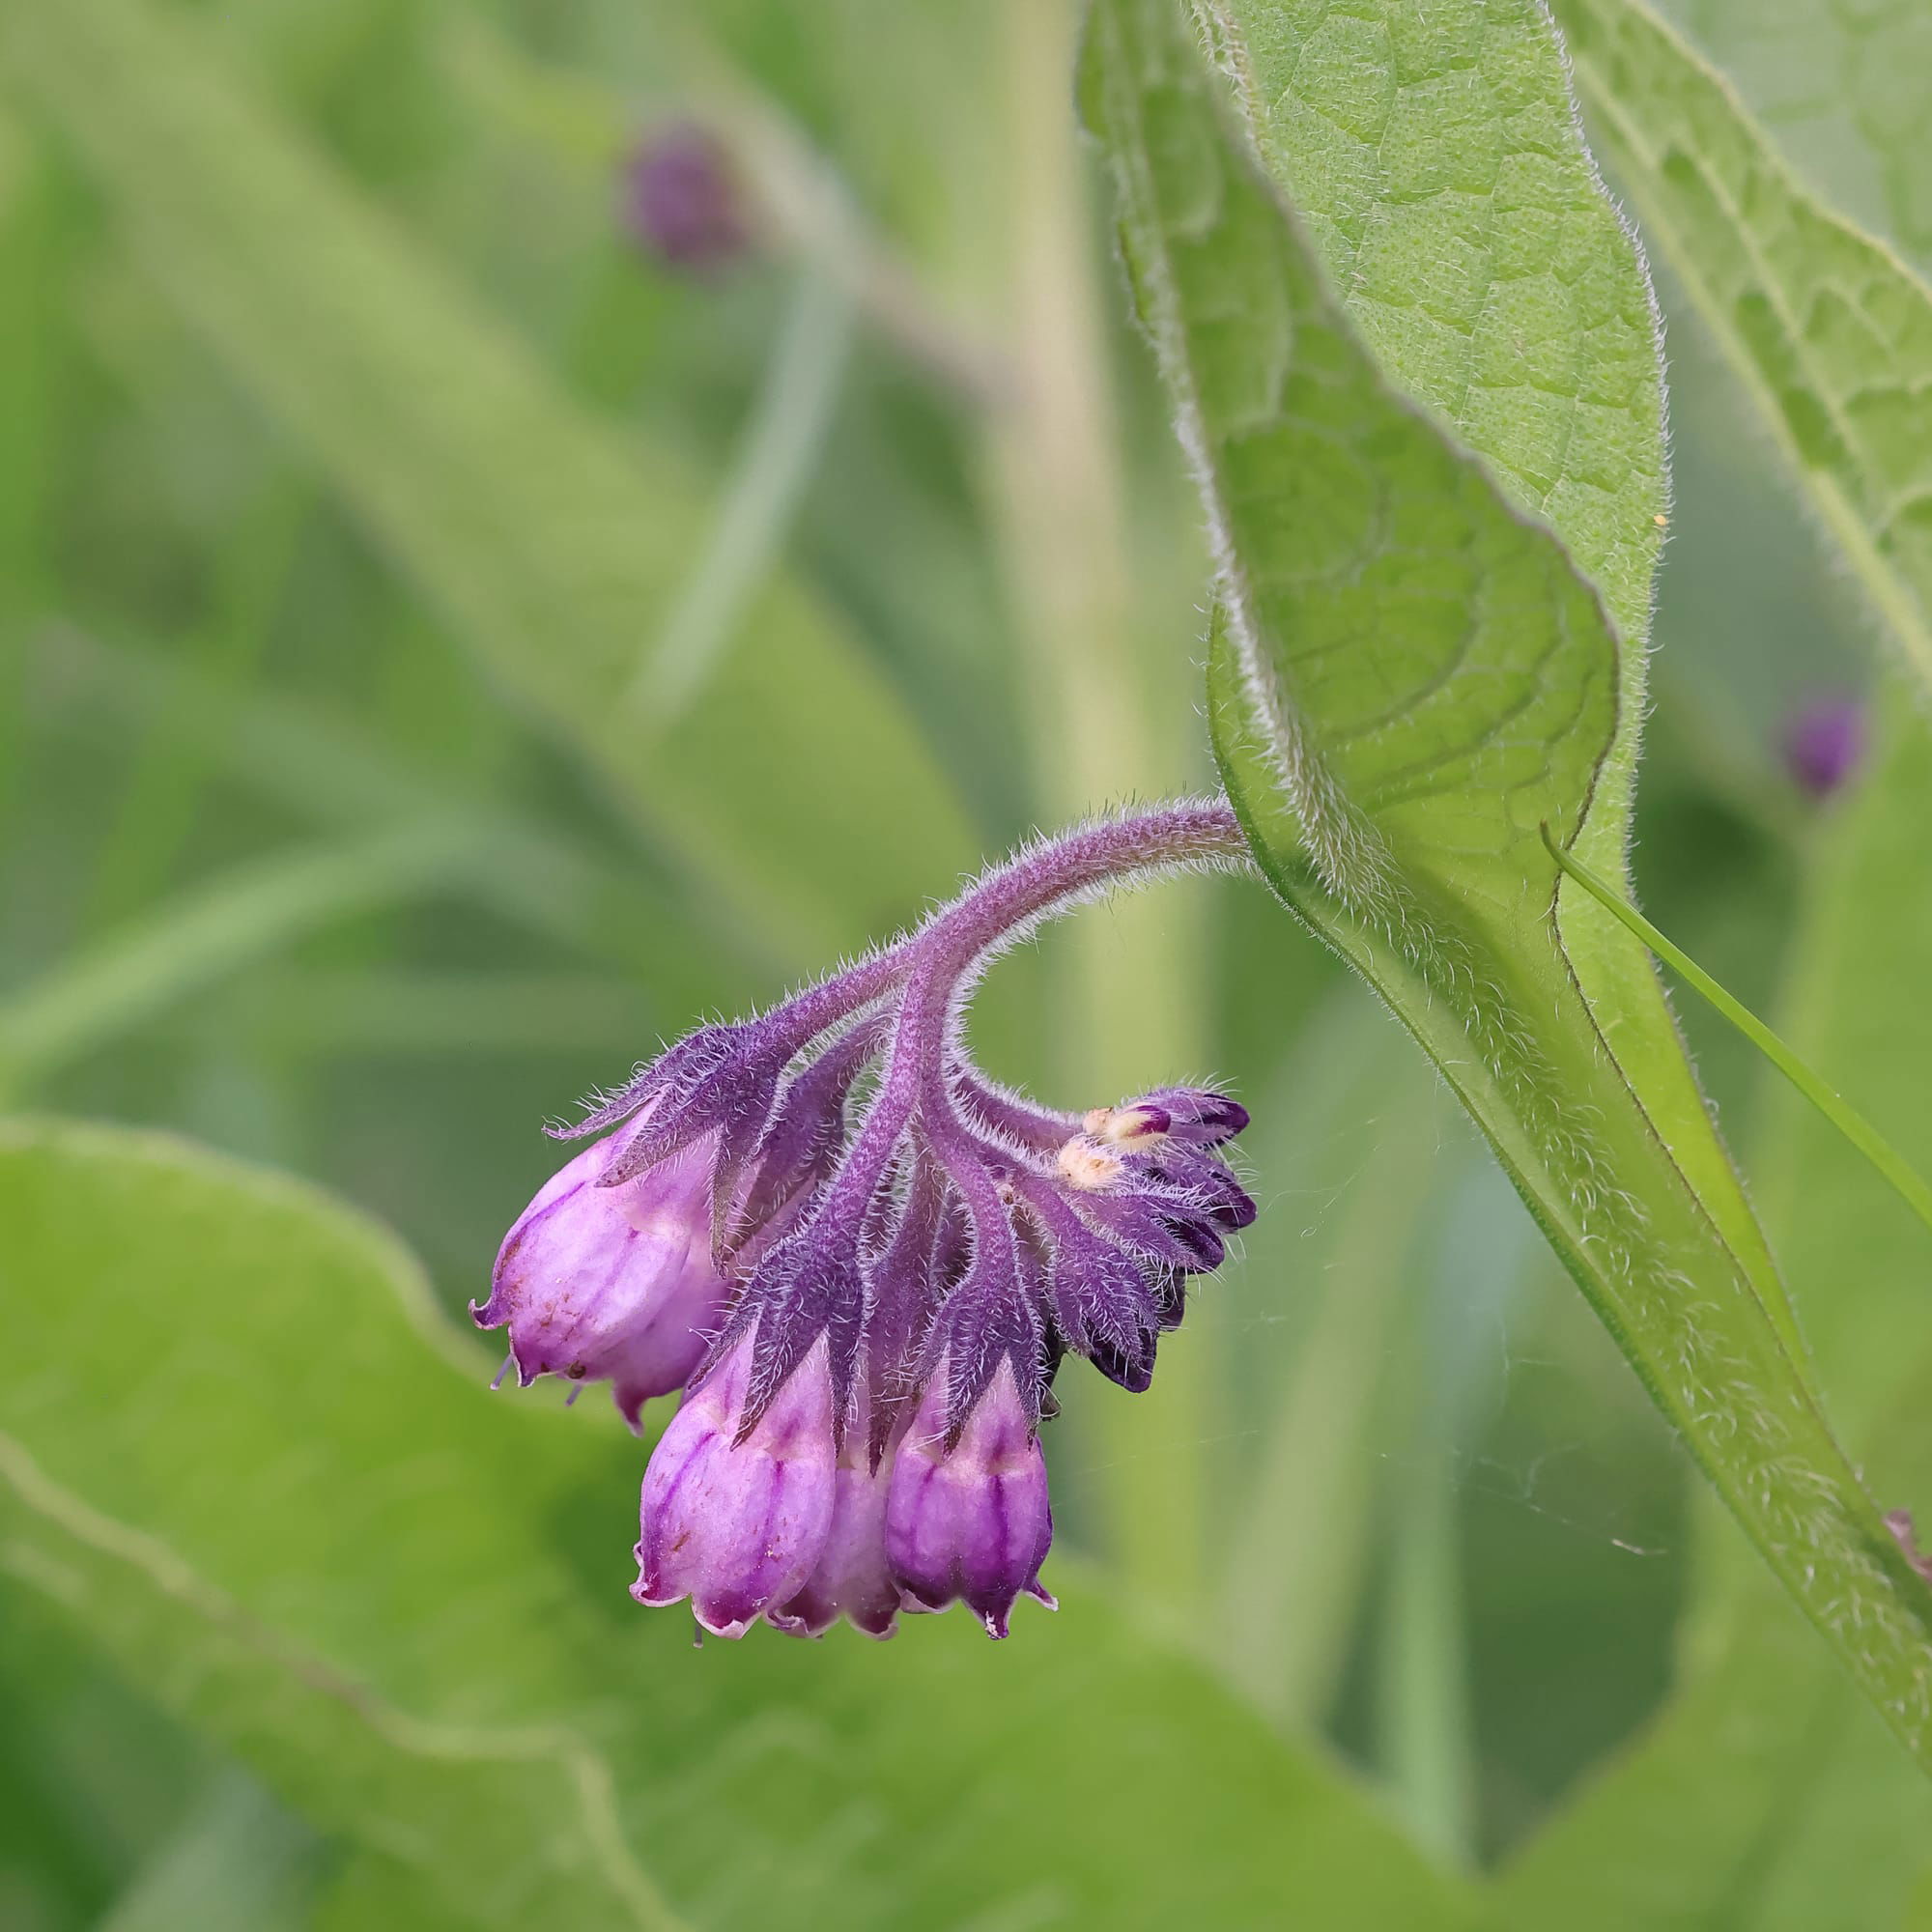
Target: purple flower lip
x=866 y=1262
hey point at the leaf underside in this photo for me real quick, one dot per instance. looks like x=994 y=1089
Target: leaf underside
x=1432 y=150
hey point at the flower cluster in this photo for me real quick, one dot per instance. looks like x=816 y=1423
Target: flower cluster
x=864 y=1262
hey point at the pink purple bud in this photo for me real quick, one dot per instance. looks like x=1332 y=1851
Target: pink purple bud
x=852 y=1578
x=611 y=1284
x=969 y=1520
x=1196 y=1115
x=739 y=1526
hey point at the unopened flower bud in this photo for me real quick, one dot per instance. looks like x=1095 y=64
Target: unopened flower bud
x=611 y=1284
x=852 y=1578
x=739 y=1526
x=971 y=1521
x=1197 y=1116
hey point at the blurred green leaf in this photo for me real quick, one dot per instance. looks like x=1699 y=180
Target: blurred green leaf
x=777 y=460
x=161 y=795
x=1829 y=332
x=1352 y=1118
x=1407 y=678
x=377 y=1890
x=238 y=1859
x=230 y=1449
x=1842 y=90
x=211 y=930
x=1767 y=1794
x=537 y=875
x=92 y=1776
x=795 y=787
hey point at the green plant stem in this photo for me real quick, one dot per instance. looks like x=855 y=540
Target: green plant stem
x=1422 y=1707
x=1910 y=1186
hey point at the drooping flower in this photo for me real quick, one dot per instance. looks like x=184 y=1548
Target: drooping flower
x=891 y=1295
x=736 y=1511
x=968 y=1518
x=853 y=1576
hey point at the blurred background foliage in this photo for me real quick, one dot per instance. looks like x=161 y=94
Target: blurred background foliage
x=446 y=647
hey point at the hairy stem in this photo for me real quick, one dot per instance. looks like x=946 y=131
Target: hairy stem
x=940 y=961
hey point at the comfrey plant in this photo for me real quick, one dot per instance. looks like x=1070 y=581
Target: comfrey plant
x=864 y=1261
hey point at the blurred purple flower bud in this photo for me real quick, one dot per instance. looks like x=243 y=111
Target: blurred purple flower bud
x=1824 y=744
x=970 y=1519
x=739 y=1526
x=611 y=1284
x=682 y=200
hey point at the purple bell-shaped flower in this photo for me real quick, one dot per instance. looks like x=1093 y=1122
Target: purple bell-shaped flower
x=968 y=1518
x=853 y=1577
x=737 y=1520
x=611 y=1284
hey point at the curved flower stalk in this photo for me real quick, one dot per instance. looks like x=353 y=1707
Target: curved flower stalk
x=864 y=1262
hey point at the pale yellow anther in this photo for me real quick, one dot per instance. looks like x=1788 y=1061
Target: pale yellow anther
x=1120 y=1127
x=1086 y=1164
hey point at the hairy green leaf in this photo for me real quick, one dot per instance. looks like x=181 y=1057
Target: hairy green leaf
x=1766 y=1794
x=794 y=782
x=235 y=1444
x=1433 y=150
x=1408 y=675
x=1828 y=331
